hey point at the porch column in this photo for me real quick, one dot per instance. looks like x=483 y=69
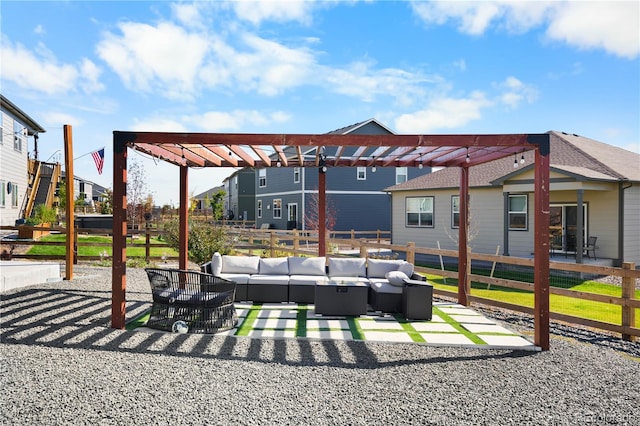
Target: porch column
x=183 y=243
x=462 y=237
x=505 y=224
x=541 y=245
x=119 y=231
x=322 y=199
x=579 y=225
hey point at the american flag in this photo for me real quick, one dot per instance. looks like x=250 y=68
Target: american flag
x=98 y=158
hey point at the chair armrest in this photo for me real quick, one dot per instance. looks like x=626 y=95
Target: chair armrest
x=417 y=277
x=206 y=268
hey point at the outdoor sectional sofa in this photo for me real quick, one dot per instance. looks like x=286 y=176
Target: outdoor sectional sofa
x=293 y=279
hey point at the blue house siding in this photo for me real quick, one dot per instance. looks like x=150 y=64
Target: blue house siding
x=353 y=198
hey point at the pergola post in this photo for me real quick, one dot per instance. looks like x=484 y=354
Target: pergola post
x=70 y=219
x=541 y=245
x=322 y=212
x=183 y=241
x=462 y=237
x=119 y=258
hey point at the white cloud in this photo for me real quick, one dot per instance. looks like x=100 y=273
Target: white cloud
x=166 y=57
x=515 y=92
x=158 y=124
x=274 y=10
x=218 y=121
x=611 y=26
x=40 y=73
x=58 y=119
x=443 y=113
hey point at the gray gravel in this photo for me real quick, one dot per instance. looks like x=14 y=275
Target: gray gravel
x=62 y=364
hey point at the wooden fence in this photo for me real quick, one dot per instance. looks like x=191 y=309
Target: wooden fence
x=273 y=243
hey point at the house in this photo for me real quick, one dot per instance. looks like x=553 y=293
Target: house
x=240 y=203
x=201 y=199
x=284 y=196
x=599 y=180
x=17 y=128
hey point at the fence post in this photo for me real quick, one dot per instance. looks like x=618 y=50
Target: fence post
x=272 y=243
x=296 y=242
x=147 y=243
x=75 y=246
x=363 y=249
x=628 y=293
x=411 y=252
x=353 y=237
x=378 y=236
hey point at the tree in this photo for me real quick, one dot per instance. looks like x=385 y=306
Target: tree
x=137 y=191
x=312 y=216
x=217 y=204
x=106 y=206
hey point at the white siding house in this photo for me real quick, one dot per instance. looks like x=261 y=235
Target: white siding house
x=17 y=128
x=600 y=180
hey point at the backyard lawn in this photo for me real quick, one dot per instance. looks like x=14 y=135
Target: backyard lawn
x=136 y=249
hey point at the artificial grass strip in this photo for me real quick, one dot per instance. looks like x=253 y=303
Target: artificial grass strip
x=355 y=329
x=139 y=321
x=247 y=325
x=408 y=328
x=453 y=323
x=301 y=321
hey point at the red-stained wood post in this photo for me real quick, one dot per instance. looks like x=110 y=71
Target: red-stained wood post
x=70 y=221
x=184 y=219
x=119 y=259
x=463 y=257
x=322 y=221
x=541 y=245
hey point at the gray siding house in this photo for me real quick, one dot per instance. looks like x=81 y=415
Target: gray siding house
x=599 y=180
x=240 y=203
x=355 y=195
x=16 y=127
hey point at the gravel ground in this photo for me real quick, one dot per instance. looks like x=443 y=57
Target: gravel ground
x=62 y=364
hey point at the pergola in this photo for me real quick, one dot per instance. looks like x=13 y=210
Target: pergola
x=187 y=150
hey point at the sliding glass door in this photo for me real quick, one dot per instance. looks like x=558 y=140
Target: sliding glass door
x=563 y=221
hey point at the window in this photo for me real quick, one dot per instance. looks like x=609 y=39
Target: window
x=262 y=178
x=518 y=212
x=455 y=211
x=401 y=174
x=3 y=191
x=362 y=173
x=259 y=209
x=18 y=136
x=419 y=211
x=14 y=195
x=296 y=175
x=235 y=181
x=277 y=208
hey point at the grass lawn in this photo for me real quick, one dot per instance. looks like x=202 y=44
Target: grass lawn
x=597 y=311
x=132 y=250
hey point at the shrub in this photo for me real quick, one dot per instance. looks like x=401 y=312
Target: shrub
x=42 y=214
x=204 y=240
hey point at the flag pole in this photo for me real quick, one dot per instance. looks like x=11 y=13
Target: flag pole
x=89 y=153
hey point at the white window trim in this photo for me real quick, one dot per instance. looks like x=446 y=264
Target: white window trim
x=296 y=174
x=420 y=225
x=262 y=178
x=259 y=207
x=405 y=174
x=453 y=212
x=364 y=173
x=526 y=212
x=278 y=209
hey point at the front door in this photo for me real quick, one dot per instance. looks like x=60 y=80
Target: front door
x=563 y=220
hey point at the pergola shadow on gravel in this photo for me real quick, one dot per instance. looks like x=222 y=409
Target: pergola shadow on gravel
x=186 y=150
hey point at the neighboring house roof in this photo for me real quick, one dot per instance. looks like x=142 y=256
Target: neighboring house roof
x=571 y=154
x=209 y=192
x=32 y=126
x=349 y=129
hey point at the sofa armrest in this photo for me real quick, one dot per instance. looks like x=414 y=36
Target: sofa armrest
x=418 y=277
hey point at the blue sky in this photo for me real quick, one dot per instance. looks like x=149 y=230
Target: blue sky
x=312 y=67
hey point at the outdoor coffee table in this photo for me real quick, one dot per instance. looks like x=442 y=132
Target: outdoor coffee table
x=347 y=298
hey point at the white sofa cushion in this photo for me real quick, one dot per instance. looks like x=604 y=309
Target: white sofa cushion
x=307 y=265
x=382 y=286
x=378 y=268
x=269 y=279
x=355 y=267
x=309 y=280
x=240 y=264
x=396 y=278
x=235 y=277
x=407 y=268
x=216 y=264
x=274 y=266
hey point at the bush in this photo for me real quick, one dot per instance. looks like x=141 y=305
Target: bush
x=204 y=240
x=42 y=214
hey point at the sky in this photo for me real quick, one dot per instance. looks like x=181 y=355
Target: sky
x=313 y=67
